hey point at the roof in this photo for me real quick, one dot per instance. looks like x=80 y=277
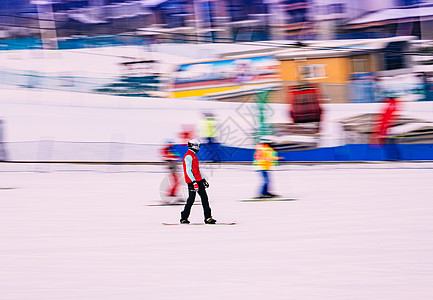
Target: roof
x=86 y=18
x=213 y=51
x=152 y=3
x=394 y=14
x=339 y=48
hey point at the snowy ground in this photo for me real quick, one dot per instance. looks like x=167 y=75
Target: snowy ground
x=357 y=231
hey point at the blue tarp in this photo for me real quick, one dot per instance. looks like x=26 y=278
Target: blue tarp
x=361 y=152
x=74 y=43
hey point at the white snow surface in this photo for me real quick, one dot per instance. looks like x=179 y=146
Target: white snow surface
x=356 y=231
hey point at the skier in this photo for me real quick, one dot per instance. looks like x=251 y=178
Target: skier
x=196 y=183
x=3 y=156
x=382 y=135
x=170 y=156
x=264 y=159
x=208 y=131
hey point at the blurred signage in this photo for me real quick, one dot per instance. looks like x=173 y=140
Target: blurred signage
x=369 y=87
x=227 y=72
x=407 y=87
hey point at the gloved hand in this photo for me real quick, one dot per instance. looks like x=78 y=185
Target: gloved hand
x=205 y=183
x=195 y=186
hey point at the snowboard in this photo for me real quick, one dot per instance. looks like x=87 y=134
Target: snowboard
x=173 y=204
x=218 y=223
x=268 y=199
x=167 y=204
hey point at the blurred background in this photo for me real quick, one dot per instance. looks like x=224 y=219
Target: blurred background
x=308 y=75
x=98 y=99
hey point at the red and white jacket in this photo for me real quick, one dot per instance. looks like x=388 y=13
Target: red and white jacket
x=191 y=168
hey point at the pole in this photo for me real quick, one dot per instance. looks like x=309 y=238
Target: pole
x=197 y=20
x=47 y=24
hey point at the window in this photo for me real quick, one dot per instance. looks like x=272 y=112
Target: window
x=236 y=13
x=293 y=1
x=336 y=8
x=394 y=56
x=360 y=65
x=407 y=2
x=299 y=15
x=315 y=71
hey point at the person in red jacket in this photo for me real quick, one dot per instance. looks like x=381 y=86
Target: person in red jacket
x=382 y=133
x=170 y=156
x=196 y=183
x=385 y=121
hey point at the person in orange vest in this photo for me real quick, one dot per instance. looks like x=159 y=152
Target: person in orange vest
x=196 y=184
x=265 y=158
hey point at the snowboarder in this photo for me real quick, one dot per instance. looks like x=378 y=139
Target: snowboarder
x=382 y=134
x=170 y=156
x=264 y=159
x=196 y=183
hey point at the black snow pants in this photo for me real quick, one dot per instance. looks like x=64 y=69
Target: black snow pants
x=191 y=198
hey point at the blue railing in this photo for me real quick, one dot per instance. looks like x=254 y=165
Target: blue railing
x=75 y=43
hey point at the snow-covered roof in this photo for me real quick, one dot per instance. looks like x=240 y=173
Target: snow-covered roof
x=338 y=48
x=151 y=3
x=86 y=18
x=209 y=51
x=394 y=14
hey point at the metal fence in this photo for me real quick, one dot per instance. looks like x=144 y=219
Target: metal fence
x=65 y=151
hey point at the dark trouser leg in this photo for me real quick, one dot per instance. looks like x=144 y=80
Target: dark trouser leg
x=204 y=200
x=189 y=202
x=265 y=188
x=391 y=149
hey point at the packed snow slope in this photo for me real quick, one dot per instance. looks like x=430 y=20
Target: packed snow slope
x=356 y=231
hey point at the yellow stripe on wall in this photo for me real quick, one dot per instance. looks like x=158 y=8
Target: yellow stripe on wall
x=202 y=92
